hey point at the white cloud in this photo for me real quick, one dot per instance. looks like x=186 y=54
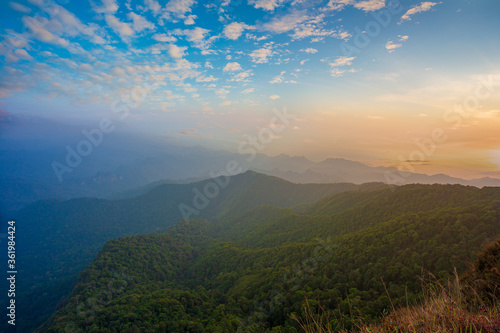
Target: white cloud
x=392 y=45
x=117 y=71
x=313 y=27
x=309 y=50
x=234 y=30
x=107 y=7
x=176 y=51
x=265 y=4
x=196 y=36
x=190 y=20
x=338 y=4
x=222 y=92
x=42 y=34
x=179 y=8
x=153 y=6
x=342 y=61
x=278 y=78
x=121 y=28
x=274 y=97
x=242 y=76
x=248 y=91
x=365 y=5
x=285 y=23
x=370 y=5
x=62 y=22
x=164 y=38
x=206 y=79
x=17 y=55
x=262 y=55
x=20 y=8
x=209 y=65
x=423 y=7
x=85 y=68
x=336 y=72
x=139 y=23
x=225 y=103
x=232 y=67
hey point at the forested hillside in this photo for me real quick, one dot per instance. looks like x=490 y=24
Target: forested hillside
x=64 y=236
x=356 y=254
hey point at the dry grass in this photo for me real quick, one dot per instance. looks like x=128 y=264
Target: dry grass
x=444 y=309
x=470 y=304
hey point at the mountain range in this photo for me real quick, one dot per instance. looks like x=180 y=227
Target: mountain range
x=250 y=209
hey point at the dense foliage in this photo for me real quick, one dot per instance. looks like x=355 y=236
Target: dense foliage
x=355 y=254
x=57 y=239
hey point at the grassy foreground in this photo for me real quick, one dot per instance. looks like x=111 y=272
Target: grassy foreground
x=470 y=303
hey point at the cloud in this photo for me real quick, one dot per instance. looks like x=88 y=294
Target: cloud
x=139 y=23
x=20 y=8
x=313 y=27
x=196 y=36
x=107 y=7
x=121 y=28
x=62 y=22
x=118 y=72
x=370 y=5
x=179 y=8
x=423 y=7
x=248 y=91
x=153 y=6
x=242 y=76
x=393 y=45
x=265 y=4
x=190 y=20
x=278 y=78
x=225 y=103
x=188 y=131
x=206 y=79
x=164 y=38
x=491 y=114
x=222 y=92
x=342 y=61
x=261 y=56
x=23 y=54
x=285 y=23
x=274 y=97
x=337 y=72
x=309 y=50
x=176 y=51
x=235 y=30
x=42 y=34
x=232 y=67
x=365 y=5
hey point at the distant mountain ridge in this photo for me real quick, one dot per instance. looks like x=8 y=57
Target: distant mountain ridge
x=125 y=162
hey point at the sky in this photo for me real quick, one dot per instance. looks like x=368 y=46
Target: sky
x=411 y=84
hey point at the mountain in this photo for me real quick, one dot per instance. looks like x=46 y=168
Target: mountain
x=64 y=236
x=124 y=162
x=355 y=254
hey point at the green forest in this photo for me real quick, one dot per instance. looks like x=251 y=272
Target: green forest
x=355 y=255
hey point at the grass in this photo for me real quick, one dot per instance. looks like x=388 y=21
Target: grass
x=470 y=304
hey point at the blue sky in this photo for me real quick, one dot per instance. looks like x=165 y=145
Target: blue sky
x=365 y=78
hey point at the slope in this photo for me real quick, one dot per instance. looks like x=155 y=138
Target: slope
x=59 y=238
x=202 y=277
